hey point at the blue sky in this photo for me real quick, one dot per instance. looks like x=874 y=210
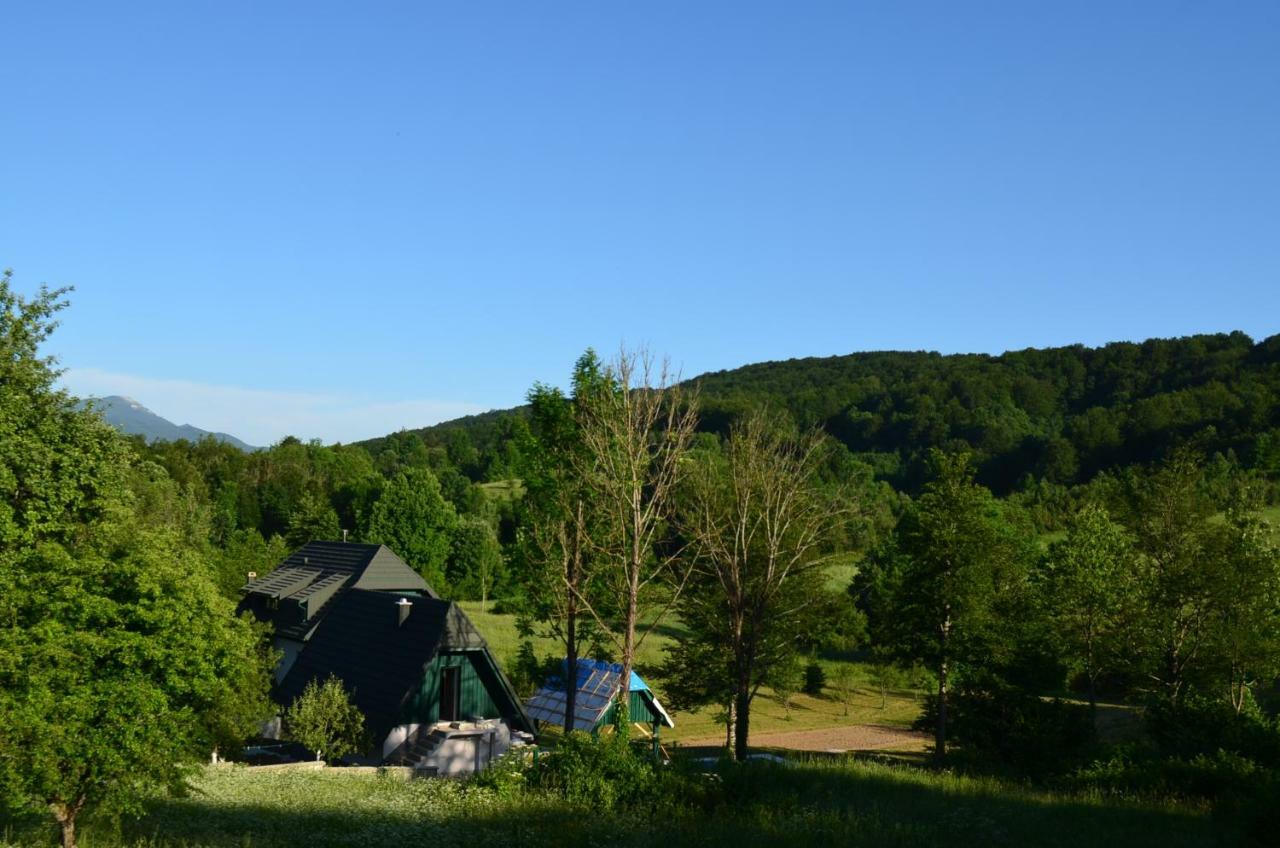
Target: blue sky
x=337 y=220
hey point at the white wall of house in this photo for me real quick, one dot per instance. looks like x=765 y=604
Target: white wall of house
x=470 y=749
x=397 y=737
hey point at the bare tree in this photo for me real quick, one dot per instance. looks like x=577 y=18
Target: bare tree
x=636 y=426
x=755 y=519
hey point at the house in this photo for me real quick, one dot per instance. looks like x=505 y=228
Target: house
x=296 y=595
x=595 y=700
x=430 y=689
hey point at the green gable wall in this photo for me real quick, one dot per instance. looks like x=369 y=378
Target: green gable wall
x=637 y=709
x=474 y=699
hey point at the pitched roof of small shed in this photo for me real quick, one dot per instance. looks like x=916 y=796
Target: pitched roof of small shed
x=597 y=685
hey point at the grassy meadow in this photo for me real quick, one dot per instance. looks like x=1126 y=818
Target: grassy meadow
x=829 y=802
x=853 y=694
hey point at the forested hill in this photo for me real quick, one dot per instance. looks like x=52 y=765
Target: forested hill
x=1058 y=414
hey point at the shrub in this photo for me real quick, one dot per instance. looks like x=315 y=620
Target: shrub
x=1201 y=725
x=1143 y=772
x=603 y=774
x=1003 y=724
x=506 y=776
x=815 y=679
x=325 y=721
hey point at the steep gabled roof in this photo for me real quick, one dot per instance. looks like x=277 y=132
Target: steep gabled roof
x=296 y=594
x=380 y=660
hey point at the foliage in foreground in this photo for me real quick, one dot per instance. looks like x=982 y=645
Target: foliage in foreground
x=817 y=802
x=120 y=664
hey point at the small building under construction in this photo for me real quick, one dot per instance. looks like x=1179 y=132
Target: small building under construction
x=595 y=703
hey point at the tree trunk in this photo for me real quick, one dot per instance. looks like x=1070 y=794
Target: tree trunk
x=1093 y=705
x=571 y=669
x=573 y=573
x=66 y=817
x=623 y=717
x=940 y=732
x=728 y=727
x=742 y=722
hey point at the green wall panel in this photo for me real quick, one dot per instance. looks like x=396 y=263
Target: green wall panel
x=474 y=699
x=637 y=709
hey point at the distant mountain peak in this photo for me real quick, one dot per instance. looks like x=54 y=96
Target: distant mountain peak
x=129 y=416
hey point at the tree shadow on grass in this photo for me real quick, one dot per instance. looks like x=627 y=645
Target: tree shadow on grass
x=832 y=801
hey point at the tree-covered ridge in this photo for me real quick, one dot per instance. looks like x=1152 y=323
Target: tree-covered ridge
x=1062 y=414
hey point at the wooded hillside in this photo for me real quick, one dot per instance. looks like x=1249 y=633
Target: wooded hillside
x=1057 y=414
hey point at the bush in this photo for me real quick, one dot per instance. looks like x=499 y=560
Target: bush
x=998 y=723
x=603 y=774
x=506 y=776
x=1136 y=771
x=325 y=721
x=1202 y=726
x=815 y=679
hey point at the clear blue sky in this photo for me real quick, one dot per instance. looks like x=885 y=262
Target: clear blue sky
x=341 y=219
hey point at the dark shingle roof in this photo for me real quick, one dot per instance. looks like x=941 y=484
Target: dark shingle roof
x=295 y=595
x=381 y=661
x=378 y=659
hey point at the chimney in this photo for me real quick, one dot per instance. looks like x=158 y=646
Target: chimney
x=344 y=535
x=402 y=610
x=253 y=575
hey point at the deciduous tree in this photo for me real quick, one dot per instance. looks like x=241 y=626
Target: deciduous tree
x=754 y=518
x=413 y=518
x=558 y=541
x=1090 y=591
x=120 y=664
x=935 y=593
x=325 y=721
x=635 y=423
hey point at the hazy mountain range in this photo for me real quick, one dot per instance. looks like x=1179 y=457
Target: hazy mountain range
x=129 y=416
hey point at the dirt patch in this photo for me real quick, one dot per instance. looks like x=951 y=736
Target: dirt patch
x=858 y=737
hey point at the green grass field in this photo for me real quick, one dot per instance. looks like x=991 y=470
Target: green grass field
x=897 y=706
x=814 y=802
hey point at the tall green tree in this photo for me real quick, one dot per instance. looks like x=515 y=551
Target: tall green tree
x=1090 y=591
x=413 y=518
x=120 y=664
x=1246 y=634
x=476 y=565
x=1181 y=571
x=312 y=518
x=559 y=533
x=935 y=594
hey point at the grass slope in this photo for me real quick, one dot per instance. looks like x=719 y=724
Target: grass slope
x=812 y=803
